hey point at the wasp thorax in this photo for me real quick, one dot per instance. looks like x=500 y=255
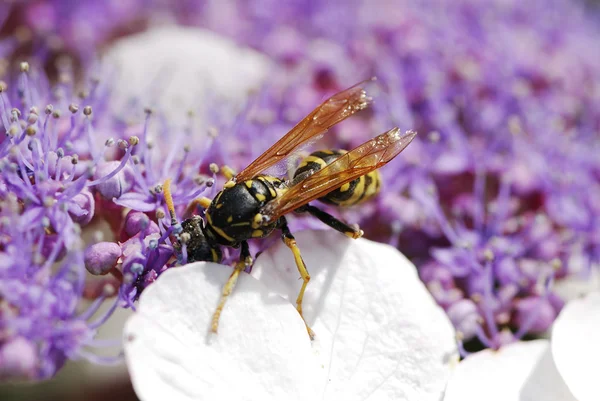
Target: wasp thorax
x=234 y=215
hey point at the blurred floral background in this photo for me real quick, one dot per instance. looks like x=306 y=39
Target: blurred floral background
x=497 y=201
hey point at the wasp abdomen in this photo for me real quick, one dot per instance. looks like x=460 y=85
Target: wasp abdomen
x=352 y=193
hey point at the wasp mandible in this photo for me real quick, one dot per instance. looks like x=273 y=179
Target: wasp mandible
x=253 y=204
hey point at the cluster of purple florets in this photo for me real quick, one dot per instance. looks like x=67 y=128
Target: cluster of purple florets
x=496 y=201
x=60 y=179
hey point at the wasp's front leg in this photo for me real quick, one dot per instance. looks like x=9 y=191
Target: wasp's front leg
x=245 y=261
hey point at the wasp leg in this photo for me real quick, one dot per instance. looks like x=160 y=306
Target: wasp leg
x=290 y=242
x=228 y=172
x=245 y=260
x=332 y=221
x=203 y=202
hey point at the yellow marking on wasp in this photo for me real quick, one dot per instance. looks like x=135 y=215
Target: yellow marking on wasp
x=230 y=219
x=373 y=187
x=327 y=151
x=269 y=179
x=217 y=229
x=215 y=257
x=241 y=224
x=345 y=187
x=257 y=220
x=220 y=205
x=260 y=197
x=248 y=183
x=313 y=159
x=258 y=233
x=357 y=193
x=216 y=200
x=229 y=184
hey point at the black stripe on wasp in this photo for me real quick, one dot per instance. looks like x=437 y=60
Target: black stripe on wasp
x=253 y=204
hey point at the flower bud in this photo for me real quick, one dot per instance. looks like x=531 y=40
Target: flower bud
x=18 y=359
x=115 y=186
x=100 y=258
x=137 y=221
x=85 y=212
x=464 y=316
x=536 y=312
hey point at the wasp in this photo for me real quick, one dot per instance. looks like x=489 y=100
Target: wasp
x=253 y=204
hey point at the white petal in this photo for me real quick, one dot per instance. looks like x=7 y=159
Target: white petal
x=173 y=68
x=261 y=352
x=379 y=333
x=522 y=371
x=576 y=346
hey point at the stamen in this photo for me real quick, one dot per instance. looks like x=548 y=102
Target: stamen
x=120 y=167
x=487 y=306
x=93 y=308
x=101 y=360
x=98 y=322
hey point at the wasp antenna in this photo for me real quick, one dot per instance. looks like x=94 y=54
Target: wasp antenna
x=169 y=200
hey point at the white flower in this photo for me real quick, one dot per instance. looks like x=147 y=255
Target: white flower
x=177 y=69
x=379 y=334
x=564 y=368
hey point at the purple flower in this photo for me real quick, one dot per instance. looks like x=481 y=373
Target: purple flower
x=79 y=27
x=46 y=198
x=40 y=323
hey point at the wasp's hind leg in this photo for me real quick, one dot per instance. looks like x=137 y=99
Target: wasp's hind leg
x=290 y=242
x=245 y=260
x=331 y=221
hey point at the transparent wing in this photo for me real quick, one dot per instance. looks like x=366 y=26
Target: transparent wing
x=359 y=161
x=335 y=109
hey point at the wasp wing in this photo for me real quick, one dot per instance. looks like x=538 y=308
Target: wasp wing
x=335 y=109
x=359 y=161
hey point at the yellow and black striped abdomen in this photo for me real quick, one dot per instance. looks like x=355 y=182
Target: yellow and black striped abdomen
x=357 y=191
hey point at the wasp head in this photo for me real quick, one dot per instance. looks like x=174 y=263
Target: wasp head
x=197 y=246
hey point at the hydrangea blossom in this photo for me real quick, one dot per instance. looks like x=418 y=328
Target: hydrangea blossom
x=80 y=28
x=45 y=188
x=59 y=174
